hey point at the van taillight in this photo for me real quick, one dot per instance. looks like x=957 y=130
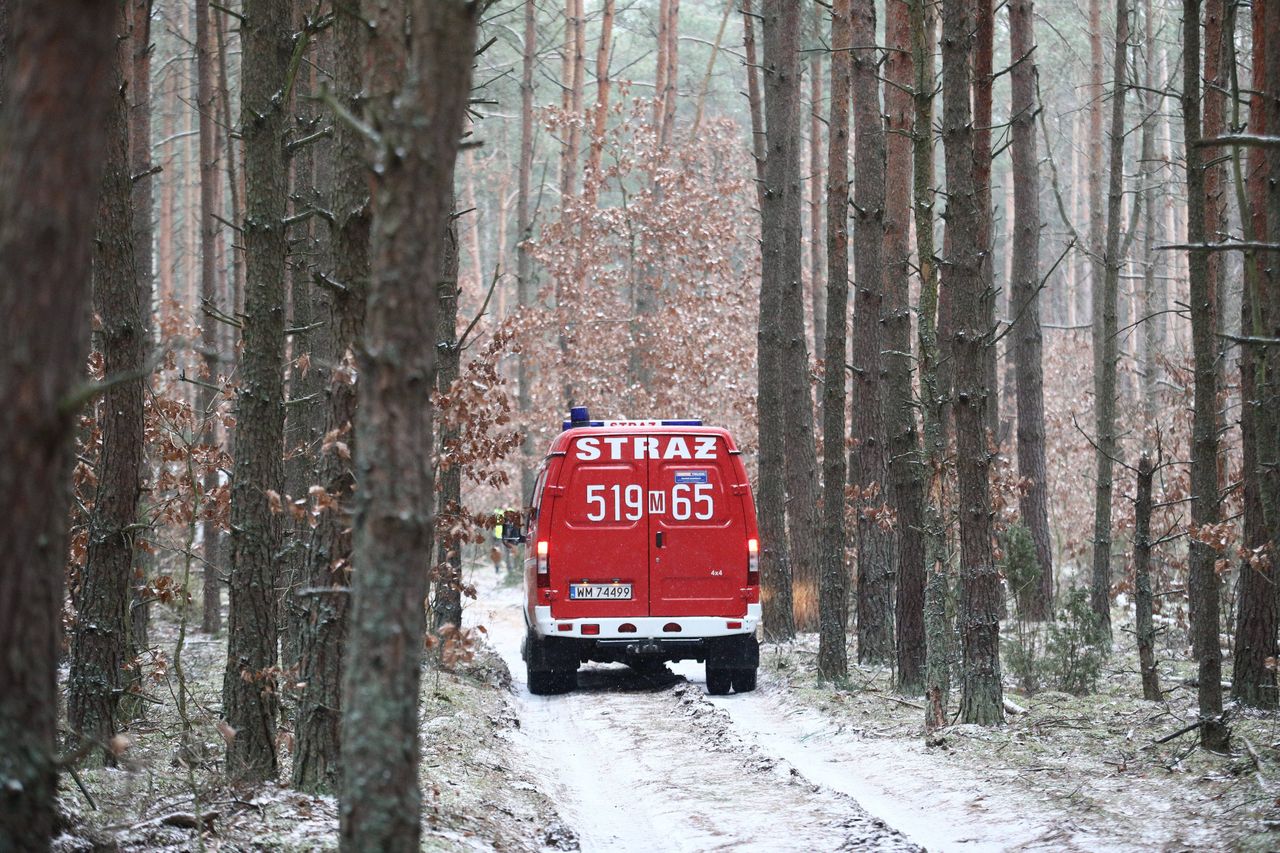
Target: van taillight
x=544 y=575
x=753 y=562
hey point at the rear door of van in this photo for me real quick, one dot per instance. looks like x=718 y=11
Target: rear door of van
x=599 y=532
x=699 y=540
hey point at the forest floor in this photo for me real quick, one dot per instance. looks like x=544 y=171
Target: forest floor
x=629 y=762
x=474 y=796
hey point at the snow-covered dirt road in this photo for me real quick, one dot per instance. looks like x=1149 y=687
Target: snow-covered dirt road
x=649 y=764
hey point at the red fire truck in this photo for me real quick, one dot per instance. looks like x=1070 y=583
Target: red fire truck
x=641 y=549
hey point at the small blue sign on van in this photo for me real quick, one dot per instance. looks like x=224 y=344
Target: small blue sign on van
x=691 y=476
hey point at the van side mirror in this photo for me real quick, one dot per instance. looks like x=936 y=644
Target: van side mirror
x=512 y=528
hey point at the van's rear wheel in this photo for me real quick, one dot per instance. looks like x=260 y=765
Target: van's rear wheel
x=719 y=680
x=543 y=682
x=744 y=680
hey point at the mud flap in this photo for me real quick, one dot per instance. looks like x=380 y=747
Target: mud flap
x=741 y=651
x=550 y=653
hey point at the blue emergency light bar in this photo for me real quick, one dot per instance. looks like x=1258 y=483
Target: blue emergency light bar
x=579 y=417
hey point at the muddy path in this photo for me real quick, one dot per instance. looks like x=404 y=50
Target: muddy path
x=643 y=763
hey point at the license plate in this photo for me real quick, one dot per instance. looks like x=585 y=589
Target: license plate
x=600 y=591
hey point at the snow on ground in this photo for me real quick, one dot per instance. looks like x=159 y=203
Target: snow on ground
x=643 y=764
x=648 y=764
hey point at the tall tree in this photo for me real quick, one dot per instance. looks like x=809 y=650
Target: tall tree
x=1105 y=334
x=868 y=463
x=419 y=129
x=1202 y=582
x=781 y=199
x=1033 y=503
x=211 y=619
x=524 y=225
x=754 y=101
x=817 y=289
x=980 y=602
x=937 y=681
x=446 y=597
x=54 y=125
x=906 y=474
x=1253 y=680
x=249 y=689
x=833 y=589
x=101 y=646
x=983 y=77
x=1096 y=203
x=316 y=763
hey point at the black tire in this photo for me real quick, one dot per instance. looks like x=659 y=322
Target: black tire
x=744 y=680
x=542 y=682
x=566 y=680
x=719 y=681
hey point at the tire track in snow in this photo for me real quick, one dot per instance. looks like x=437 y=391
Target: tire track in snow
x=642 y=764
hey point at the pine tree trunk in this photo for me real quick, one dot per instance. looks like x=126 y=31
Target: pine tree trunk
x=1025 y=281
x=1143 y=626
x=54 y=124
x=1202 y=581
x=524 y=260
x=102 y=644
x=1105 y=339
x=1253 y=682
x=600 y=114
x=670 y=90
x=868 y=462
x=833 y=589
x=1266 y=323
x=249 y=689
x=380 y=806
x=446 y=598
x=906 y=475
x=316 y=763
x=817 y=287
x=138 y=14
x=310 y=357
x=980 y=601
x=983 y=58
x=1150 y=257
x=937 y=627
x=779 y=282
x=754 y=100
x=211 y=618
x=1087 y=296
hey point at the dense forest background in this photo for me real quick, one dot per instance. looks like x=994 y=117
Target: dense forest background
x=295 y=294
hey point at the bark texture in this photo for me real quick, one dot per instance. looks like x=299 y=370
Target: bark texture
x=1105 y=339
x=980 y=600
x=54 y=126
x=833 y=593
x=380 y=806
x=249 y=688
x=211 y=612
x=316 y=764
x=1027 y=345
x=1253 y=681
x=937 y=627
x=102 y=643
x=524 y=259
x=906 y=474
x=1144 y=627
x=780 y=282
x=868 y=463
x=446 y=598
x=1202 y=582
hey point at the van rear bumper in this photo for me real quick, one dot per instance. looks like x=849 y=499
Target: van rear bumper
x=647 y=627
